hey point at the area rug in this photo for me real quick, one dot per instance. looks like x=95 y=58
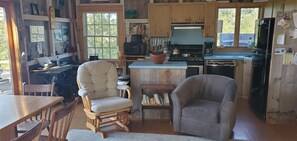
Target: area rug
x=87 y=135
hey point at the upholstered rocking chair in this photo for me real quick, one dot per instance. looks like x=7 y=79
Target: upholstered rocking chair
x=97 y=81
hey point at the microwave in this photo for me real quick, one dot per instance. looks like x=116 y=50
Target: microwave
x=134 y=48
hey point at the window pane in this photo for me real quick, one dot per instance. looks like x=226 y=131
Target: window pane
x=91 y=51
x=113 y=18
x=105 y=18
x=247 y=26
x=105 y=30
x=99 y=52
x=98 y=41
x=114 y=53
x=98 y=30
x=226 y=37
x=91 y=42
x=106 y=53
x=113 y=42
x=105 y=42
x=90 y=30
x=98 y=18
x=90 y=18
x=113 y=30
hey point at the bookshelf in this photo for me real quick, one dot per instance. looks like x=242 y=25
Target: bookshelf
x=160 y=94
x=56 y=41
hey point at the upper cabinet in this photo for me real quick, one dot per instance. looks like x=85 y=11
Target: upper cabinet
x=210 y=20
x=159 y=20
x=187 y=13
x=160 y=17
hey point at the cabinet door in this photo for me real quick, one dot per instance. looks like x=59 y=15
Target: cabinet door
x=187 y=13
x=210 y=20
x=159 y=20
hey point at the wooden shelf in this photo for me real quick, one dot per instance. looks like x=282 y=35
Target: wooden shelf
x=65 y=20
x=136 y=21
x=159 y=87
x=35 y=17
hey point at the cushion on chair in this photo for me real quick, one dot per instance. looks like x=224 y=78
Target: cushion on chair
x=203 y=110
x=99 y=79
x=110 y=104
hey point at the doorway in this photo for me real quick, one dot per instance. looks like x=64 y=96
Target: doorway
x=6 y=85
x=10 y=68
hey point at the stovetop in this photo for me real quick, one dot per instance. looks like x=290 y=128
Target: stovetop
x=195 y=51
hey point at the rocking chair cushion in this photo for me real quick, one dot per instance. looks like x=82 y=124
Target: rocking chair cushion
x=110 y=104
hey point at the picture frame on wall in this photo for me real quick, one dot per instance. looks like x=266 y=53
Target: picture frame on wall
x=34 y=9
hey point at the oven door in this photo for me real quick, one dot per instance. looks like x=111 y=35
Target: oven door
x=194 y=70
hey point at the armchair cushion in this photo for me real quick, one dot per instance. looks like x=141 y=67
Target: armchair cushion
x=203 y=110
x=110 y=104
x=98 y=79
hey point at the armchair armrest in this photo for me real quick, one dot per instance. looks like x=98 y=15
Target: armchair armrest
x=85 y=98
x=124 y=88
x=227 y=119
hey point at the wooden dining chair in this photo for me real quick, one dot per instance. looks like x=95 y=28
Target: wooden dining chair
x=36 y=90
x=60 y=122
x=33 y=134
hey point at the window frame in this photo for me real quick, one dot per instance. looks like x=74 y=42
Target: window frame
x=81 y=10
x=86 y=36
x=238 y=8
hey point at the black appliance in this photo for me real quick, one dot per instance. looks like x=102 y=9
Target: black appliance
x=192 y=55
x=134 y=48
x=261 y=66
x=208 y=48
x=221 y=67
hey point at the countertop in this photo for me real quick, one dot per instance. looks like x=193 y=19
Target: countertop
x=229 y=57
x=151 y=65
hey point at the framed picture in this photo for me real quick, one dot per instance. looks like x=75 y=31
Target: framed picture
x=34 y=9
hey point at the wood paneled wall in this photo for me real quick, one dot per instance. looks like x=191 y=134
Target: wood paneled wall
x=282 y=98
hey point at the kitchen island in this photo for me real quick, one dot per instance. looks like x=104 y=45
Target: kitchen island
x=148 y=73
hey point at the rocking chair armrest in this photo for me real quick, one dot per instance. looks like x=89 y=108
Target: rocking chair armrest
x=124 y=88
x=83 y=92
x=85 y=98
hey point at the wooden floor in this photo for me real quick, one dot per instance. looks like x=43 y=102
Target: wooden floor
x=247 y=127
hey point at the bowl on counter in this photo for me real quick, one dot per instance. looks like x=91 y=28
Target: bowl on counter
x=158 y=58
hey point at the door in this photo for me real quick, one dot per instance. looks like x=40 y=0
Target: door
x=10 y=82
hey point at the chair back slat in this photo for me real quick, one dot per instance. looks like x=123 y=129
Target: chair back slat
x=32 y=134
x=60 y=122
x=39 y=90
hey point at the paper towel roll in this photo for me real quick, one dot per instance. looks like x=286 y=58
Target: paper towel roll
x=295 y=59
x=295 y=19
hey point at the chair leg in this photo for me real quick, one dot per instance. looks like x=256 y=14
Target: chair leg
x=122 y=125
x=101 y=134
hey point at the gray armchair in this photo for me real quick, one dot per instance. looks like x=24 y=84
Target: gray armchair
x=204 y=105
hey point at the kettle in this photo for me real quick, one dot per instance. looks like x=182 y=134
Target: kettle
x=175 y=51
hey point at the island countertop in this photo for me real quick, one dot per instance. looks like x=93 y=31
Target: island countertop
x=151 y=65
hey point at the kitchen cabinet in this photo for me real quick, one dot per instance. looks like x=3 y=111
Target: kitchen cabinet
x=187 y=13
x=210 y=20
x=159 y=20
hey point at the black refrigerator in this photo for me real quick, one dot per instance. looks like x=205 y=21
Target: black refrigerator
x=261 y=65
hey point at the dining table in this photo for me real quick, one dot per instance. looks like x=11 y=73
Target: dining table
x=18 y=108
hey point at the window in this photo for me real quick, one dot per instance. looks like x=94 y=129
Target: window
x=101 y=35
x=238 y=30
x=247 y=26
x=226 y=37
